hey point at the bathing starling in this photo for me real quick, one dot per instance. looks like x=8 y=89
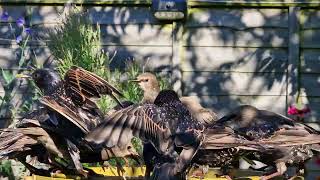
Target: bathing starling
x=72 y=113
x=286 y=142
x=151 y=88
x=29 y=138
x=166 y=124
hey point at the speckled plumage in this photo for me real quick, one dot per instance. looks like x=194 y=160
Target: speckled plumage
x=285 y=141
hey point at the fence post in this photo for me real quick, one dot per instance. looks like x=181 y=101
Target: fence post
x=293 y=83
x=176 y=57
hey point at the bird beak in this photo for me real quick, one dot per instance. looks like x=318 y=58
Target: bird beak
x=23 y=76
x=135 y=80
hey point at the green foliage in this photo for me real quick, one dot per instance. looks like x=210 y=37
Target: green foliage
x=7 y=109
x=76 y=42
x=6 y=170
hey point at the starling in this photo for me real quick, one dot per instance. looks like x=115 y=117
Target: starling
x=166 y=124
x=151 y=88
x=286 y=142
x=29 y=138
x=72 y=113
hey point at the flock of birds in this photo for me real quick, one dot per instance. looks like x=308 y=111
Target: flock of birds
x=177 y=132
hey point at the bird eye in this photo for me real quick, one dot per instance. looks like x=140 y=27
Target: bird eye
x=36 y=75
x=146 y=80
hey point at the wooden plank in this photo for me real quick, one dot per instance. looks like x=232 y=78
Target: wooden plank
x=226 y=37
x=235 y=59
x=10 y=56
x=310 y=18
x=46 y=14
x=39 y=34
x=310 y=84
x=310 y=60
x=238 y=18
x=223 y=104
x=79 y=2
x=293 y=55
x=177 y=56
x=33 y=14
x=121 y=15
x=152 y=58
x=234 y=83
x=98 y=14
x=314 y=104
x=259 y=3
x=146 y=35
x=310 y=38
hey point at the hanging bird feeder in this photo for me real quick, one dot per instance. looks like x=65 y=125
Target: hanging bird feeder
x=169 y=9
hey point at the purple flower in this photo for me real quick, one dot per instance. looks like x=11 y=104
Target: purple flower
x=5 y=16
x=21 y=21
x=19 y=39
x=27 y=31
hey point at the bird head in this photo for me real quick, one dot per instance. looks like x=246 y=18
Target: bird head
x=46 y=79
x=147 y=82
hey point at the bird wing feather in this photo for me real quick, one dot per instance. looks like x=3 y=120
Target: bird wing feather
x=66 y=111
x=84 y=85
x=142 y=121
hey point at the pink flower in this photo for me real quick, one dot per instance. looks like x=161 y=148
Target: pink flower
x=292 y=110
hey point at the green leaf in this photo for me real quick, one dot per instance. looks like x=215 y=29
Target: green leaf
x=7 y=76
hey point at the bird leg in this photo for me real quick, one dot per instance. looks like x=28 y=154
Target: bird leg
x=148 y=172
x=281 y=169
x=184 y=159
x=74 y=152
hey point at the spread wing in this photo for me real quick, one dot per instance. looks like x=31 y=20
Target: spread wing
x=143 y=121
x=223 y=137
x=287 y=136
x=18 y=140
x=67 y=110
x=82 y=85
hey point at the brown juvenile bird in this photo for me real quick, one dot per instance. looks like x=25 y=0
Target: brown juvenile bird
x=286 y=142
